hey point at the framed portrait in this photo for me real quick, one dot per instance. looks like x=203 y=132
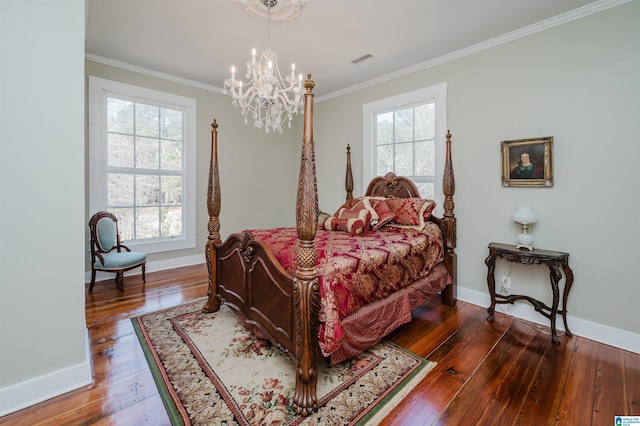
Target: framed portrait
x=528 y=162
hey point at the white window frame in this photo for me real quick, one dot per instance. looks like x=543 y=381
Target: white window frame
x=436 y=94
x=99 y=90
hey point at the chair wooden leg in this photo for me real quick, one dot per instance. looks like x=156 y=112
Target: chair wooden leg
x=93 y=280
x=144 y=279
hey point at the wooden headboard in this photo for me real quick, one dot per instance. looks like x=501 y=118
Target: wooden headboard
x=391 y=185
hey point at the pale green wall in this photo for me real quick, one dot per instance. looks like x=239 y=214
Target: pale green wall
x=578 y=83
x=257 y=183
x=42 y=320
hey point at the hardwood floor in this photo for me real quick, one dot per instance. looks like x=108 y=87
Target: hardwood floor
x=503 y=373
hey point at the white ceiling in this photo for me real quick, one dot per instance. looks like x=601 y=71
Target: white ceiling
x=198 y=40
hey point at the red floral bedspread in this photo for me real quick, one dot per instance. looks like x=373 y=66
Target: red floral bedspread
x=356 y=270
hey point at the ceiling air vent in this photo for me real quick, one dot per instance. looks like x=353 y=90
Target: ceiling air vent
x=362 y=58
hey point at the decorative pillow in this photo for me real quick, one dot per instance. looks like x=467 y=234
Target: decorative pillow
x=354 y=220
x=347 y=205
x=357 y=204
x=385 y=214
x=353 y=208
x=411 y=212
x=353 y=226
x=322 y=216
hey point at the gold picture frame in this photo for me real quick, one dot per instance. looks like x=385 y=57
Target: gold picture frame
x=528 y=162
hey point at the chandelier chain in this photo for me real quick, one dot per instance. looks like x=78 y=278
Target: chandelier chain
x=269 y=24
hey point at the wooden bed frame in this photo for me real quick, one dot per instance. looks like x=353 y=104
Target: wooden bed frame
x=245 y=275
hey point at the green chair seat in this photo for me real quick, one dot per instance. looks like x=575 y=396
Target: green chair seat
x=121 y=260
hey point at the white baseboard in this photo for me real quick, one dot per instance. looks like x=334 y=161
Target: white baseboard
x=158 y=265
x=38 y=389
x=622 y=339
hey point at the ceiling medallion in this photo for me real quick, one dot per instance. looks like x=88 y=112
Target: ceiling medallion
x=281 y=10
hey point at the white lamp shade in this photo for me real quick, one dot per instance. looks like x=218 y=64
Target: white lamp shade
x=524 y=215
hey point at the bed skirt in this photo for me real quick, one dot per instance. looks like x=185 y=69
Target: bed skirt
x=368 y=325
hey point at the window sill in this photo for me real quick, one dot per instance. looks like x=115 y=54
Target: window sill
x=159 y=246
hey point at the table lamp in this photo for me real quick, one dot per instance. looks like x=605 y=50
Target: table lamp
x=525 y=216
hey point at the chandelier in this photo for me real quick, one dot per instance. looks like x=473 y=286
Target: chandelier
x=270 y=99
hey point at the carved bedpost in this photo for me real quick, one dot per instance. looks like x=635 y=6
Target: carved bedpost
x=348 y=180
x=449 y=296
x=213 y=206
x=306 y=297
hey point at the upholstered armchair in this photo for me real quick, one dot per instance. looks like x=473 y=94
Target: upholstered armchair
x=108 y=254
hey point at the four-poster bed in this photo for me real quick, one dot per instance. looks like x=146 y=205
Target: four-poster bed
x=280 y=294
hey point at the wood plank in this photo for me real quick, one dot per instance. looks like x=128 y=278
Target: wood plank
x=92 y=404
x=546 y=391
x=457 y=358
x=493 y=395
x=578 y=398
x=610 y=397
x=118 y=359
x=437 y=322
x=149 y=412
x=632 y=384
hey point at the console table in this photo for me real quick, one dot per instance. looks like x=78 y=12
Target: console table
x=555 y=260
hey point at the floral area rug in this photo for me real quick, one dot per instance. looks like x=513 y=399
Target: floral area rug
x=210 y=370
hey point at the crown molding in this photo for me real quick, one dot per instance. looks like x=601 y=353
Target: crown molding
x=582 y=12
x=152 y=73
x=556 y=21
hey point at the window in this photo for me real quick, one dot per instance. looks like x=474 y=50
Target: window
x=405 y=134
x=142 y=163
